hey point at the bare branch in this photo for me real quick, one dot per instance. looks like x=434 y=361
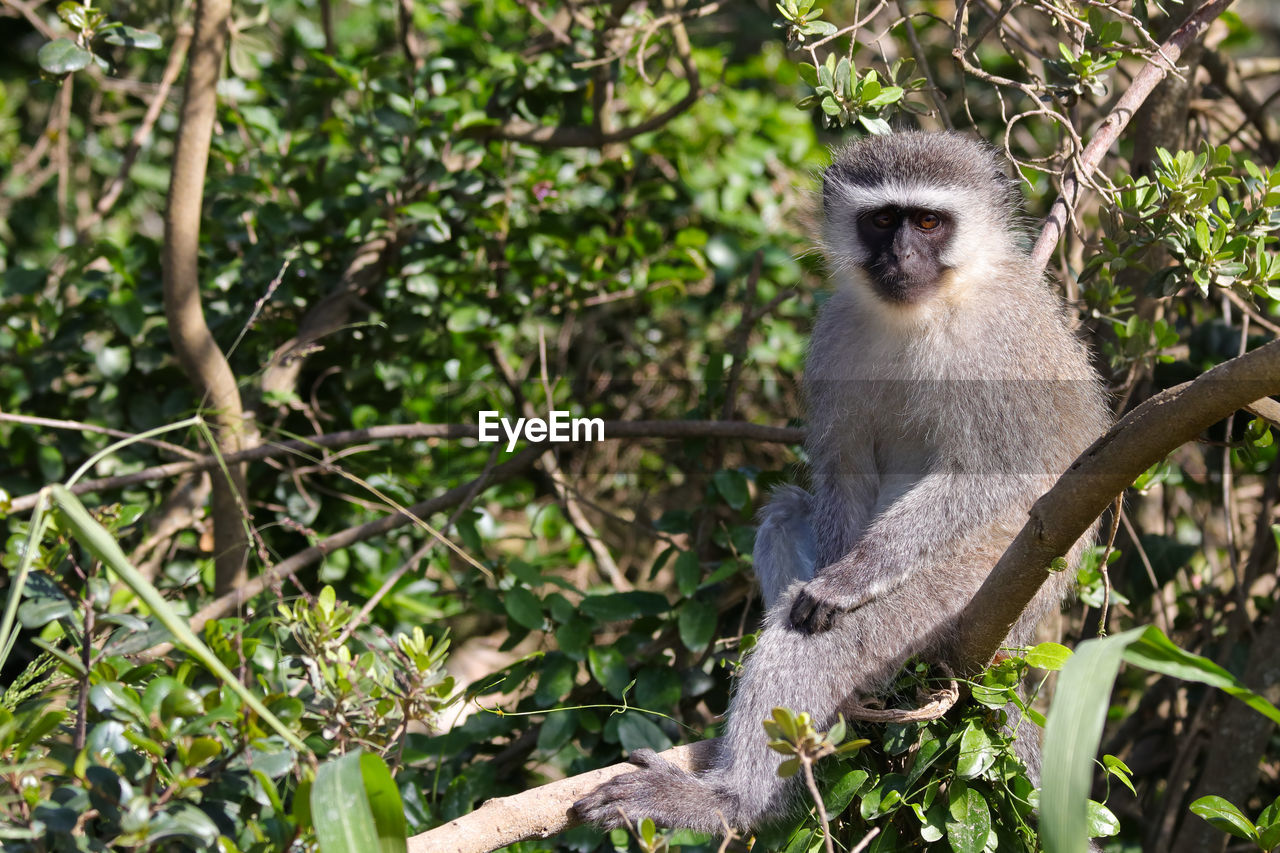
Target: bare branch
x=177 y=53
x=539 y=812
x=57 y=423
x=1144 y=82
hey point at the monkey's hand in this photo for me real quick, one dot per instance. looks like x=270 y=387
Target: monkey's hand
x=822 y=599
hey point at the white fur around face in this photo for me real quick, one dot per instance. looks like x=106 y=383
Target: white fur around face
x=980 y=231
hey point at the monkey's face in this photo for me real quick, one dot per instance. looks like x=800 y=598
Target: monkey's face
x=904 y=249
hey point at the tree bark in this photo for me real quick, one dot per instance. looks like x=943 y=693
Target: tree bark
x=193 y=343
x=538 y=812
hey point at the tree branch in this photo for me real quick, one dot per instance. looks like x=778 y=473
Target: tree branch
x=193 y=343
x=237 y=597
x=329 y=315
x=539 y=812
x=1142 y=438
x=1109 y=131
x=523 y=460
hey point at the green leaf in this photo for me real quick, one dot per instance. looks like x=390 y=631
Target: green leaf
x=968 y=819
x=114 y=362
x=1079 y=708
x=977 y=753
x=732 y=486
x=658 y=687
x=818 y=28
x=1154 y=651
x=1202 y=235
x=523 y=607
x=1120 y=770
x=636 y=730
x=556 y=679
x=877 y=126
x=72 y=14
x=697 y=623
x=688 y=572
x=844 y=72
x=36 y=613
x=839 y=794
x=340 y=807
x=1071 y=739
x=609 y=669
x=1102 y=823
x=131 y=37
x=63 y=56
x=1225 y=816
x=888 y=95
x=1050 y=656
x=201 y=750
x=619 y=606
x=356 y=806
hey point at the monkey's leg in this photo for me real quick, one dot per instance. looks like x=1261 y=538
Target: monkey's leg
x=814 y=673
x=785 y=551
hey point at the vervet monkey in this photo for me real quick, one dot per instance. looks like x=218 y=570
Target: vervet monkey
x=946 y=392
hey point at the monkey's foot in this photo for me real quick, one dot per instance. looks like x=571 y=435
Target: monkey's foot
x=821 y=600
x=668 y=795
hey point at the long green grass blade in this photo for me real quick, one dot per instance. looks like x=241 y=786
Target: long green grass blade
x=103 y=545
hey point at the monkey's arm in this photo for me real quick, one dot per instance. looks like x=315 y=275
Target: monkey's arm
x=926 y=529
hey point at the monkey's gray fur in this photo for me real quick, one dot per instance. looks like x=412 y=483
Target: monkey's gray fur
x=946 y=393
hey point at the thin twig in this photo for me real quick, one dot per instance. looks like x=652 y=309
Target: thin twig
x=806 y=762
x=1144 y=82
x=177 y=55
x=1165 y=619
x=57 y=423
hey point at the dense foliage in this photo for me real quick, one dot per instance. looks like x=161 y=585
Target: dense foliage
x=415 y=213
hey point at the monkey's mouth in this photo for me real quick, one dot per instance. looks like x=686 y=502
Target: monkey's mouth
x=900 y=284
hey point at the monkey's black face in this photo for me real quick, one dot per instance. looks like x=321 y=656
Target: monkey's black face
x=904 y=250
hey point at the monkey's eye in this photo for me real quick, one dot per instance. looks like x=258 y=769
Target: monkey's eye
x=928 y=221
x=884 y=219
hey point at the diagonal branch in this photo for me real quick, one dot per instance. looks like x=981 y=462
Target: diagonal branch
x=1139 y=440
x=1144 y=82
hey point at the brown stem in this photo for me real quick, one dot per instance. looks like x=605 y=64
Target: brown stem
x=539 y=812
x=193 y=343
x=1109 y=131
